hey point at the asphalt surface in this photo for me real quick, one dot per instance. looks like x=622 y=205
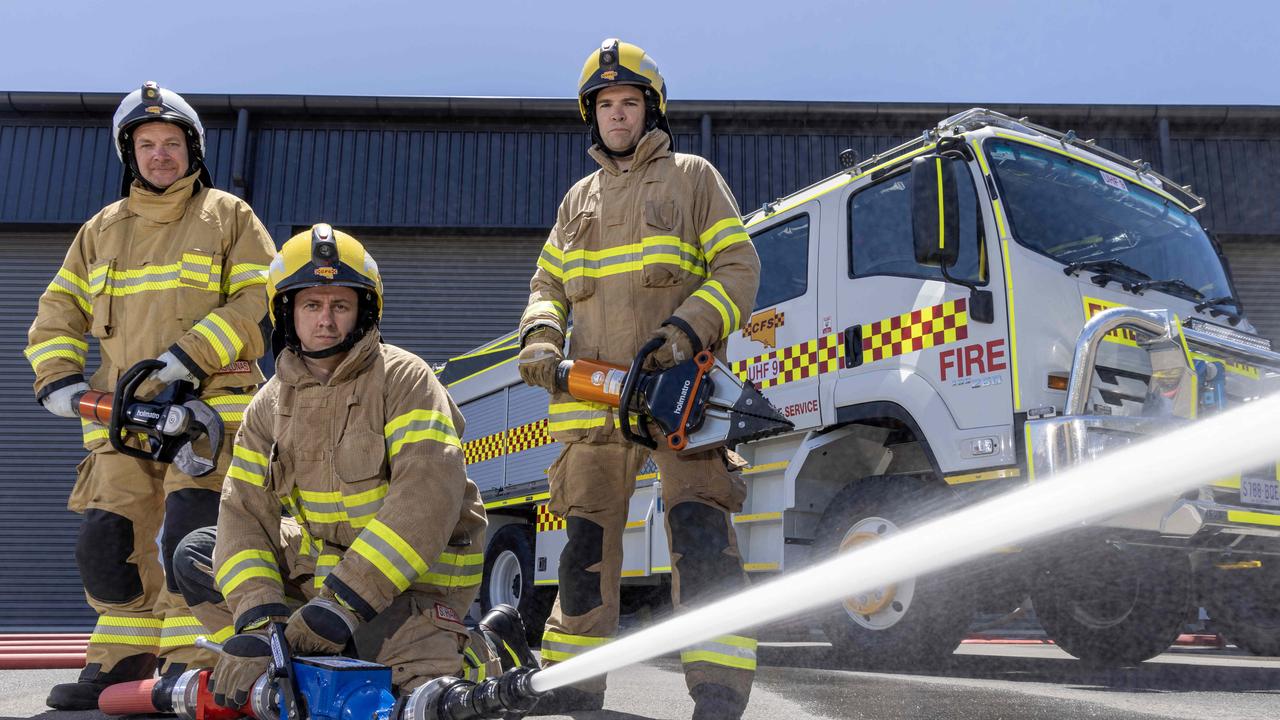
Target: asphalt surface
x=983 y=682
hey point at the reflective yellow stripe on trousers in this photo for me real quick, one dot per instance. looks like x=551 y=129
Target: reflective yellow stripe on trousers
x=126 y=630
x=558 y=647
x=180 y=631
x=732 y=651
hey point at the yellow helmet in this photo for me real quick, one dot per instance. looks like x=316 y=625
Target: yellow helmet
x=323 y=256
x=621 y=63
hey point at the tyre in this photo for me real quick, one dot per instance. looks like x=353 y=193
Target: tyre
x=1112 y=605
x=912 y=624
x=508 y=578
x=1241 y=601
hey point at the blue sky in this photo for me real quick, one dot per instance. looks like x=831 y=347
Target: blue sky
x=1121 y=51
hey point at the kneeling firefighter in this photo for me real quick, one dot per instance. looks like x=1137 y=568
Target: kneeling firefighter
x=382 y=534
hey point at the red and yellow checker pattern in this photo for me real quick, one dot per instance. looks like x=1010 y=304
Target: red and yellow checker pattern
x=796 y=362
x=507 y=442
x=485 y=448
x=528 y=436
x=916 y=330
x=546 y=521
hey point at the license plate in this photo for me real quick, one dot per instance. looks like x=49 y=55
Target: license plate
x=1260 y=491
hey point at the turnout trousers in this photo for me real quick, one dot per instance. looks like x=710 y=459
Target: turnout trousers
x=135 y=514
x=591 y=486
x=421 y=636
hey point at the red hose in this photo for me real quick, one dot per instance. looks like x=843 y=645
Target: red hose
x=129 y=698
x=43 y=660
x=40 y=649
x=27 y=637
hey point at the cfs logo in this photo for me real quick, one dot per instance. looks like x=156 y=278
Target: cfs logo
x=763 y=327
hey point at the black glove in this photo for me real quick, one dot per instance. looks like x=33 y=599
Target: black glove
x=321 y=627
x=244 y=659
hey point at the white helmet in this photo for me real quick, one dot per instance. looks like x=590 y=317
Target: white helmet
x=148 y=104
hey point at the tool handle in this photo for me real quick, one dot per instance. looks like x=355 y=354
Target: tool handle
x=680 y=438
x=628 y=392
x=126 y=389
x=205 y=643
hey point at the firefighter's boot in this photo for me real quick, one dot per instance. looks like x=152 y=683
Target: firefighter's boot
x=502 y=627
x=712 y=701
x=565 y=700
x=83 y=693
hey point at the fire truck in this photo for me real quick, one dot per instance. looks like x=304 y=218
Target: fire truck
x=957 y=316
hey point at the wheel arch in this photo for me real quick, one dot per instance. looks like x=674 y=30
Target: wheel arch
x=868 y=440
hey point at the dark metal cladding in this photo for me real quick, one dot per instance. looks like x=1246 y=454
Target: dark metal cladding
x=454 y=197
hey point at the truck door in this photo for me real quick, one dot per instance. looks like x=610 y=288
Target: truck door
x=911 y=335
x=778 y=347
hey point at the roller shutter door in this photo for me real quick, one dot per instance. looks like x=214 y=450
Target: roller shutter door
x=1255 y=267
x=444 y=296
x=39 y=584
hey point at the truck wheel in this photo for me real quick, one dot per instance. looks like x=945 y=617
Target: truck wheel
x=911 y=624
x=1242 y=603
x=1110 y=605
x=508 y=578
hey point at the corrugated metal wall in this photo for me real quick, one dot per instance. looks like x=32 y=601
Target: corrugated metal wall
x=1255 y=268
x=455 y=211
x=446 y=295
x=39 y=584
x=365 y=173
x=1240 y=178
x=65 y=173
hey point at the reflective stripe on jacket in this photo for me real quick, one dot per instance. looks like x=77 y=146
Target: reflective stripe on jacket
x=630 y=250
x=370 y=465
x=180 y=271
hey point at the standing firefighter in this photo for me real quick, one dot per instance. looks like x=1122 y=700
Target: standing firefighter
x=649 y=245
x=174 y=271
x=358 y=443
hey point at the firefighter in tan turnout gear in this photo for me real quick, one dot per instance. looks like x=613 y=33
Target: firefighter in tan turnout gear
x=649 y=245
x=174 y=271
x=358 y=443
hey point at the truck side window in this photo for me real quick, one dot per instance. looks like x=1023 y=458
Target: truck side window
x=784 y=261
x=880 y=231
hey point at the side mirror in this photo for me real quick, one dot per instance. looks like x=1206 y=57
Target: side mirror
x=935 y=211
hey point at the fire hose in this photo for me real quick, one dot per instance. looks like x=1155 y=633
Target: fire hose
x=324 y=688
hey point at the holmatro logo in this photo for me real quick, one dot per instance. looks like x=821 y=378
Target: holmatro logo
x=763 y=327
x=328 y=273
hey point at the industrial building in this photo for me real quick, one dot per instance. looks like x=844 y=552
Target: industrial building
x=454 y=196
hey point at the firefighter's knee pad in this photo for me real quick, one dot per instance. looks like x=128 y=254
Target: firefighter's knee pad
x=193 y=568
x=102 y=553
x=580 y=587
x=700 y=536
x=184 y=511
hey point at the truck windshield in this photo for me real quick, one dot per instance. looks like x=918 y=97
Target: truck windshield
x=1076 y=213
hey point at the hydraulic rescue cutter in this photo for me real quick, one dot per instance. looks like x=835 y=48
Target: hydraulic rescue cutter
x=699 y=404
x=325 y=688
x=170 y=423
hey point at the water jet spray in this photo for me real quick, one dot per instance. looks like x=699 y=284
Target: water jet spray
x=1154 y=469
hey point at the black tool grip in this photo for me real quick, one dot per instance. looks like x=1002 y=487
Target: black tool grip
x=126 y=389
x=628 y=391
